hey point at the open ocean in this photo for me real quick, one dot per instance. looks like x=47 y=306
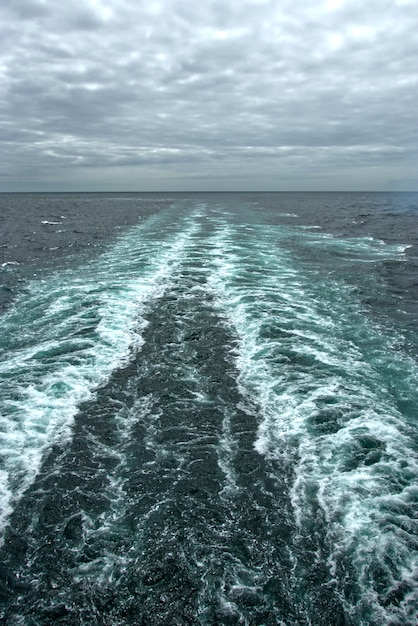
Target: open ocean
x=209 y=409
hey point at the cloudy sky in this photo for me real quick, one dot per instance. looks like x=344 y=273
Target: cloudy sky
x=208 y=94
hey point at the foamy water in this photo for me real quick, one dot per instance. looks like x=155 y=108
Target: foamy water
x=208 y=421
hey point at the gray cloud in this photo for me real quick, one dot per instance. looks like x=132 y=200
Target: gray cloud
x=116 y=94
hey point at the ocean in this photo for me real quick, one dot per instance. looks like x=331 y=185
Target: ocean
x=209 y=409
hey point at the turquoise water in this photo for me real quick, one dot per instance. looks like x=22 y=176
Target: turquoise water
x=211 y=417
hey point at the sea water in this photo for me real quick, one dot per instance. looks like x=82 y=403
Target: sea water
x=209 y=409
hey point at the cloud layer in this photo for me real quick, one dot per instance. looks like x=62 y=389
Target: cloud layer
x=166 y=94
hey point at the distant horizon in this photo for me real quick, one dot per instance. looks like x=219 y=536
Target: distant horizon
x=213 y=191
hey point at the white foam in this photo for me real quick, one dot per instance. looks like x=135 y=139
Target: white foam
x=227 y=450
x=48 y=369
x=321 y=355
x=365 y=248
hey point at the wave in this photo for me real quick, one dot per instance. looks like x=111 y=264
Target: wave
x=335 y=399
x=67 y=334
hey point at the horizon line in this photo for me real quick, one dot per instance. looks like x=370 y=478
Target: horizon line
x=217 y=191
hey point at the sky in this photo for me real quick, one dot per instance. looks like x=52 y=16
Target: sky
x=176 y=95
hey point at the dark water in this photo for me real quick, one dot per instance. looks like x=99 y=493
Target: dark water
x=209 y=409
